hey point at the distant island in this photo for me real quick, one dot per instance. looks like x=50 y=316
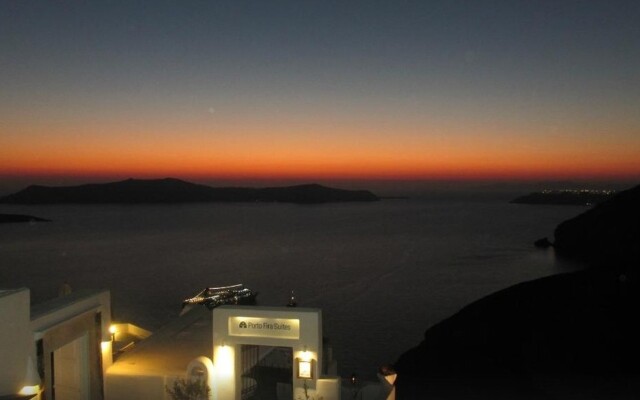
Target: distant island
x=539 y=340
x=13 y=218
x=581 y=197
x=170 y=190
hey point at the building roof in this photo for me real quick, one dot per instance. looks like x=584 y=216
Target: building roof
x=58 y=303
x=168 y=351
x=7 y=292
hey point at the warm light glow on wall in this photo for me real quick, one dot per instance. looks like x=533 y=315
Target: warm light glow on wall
x=107 y=354
x=31 y=379
x=306 y=355
x=224 y=362
x=29 y=390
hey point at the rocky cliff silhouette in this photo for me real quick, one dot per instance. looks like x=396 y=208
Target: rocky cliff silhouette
x=569 y=336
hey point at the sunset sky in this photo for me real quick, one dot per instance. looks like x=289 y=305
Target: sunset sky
x=307 y=90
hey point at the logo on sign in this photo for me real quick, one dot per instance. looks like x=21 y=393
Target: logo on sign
x=243 y=325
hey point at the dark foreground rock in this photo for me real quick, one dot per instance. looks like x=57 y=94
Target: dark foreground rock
x=171 y=190
x=570 y=336
x=12 y=218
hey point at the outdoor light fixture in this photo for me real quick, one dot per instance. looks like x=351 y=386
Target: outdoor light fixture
x=304 y=365
x=113 y=331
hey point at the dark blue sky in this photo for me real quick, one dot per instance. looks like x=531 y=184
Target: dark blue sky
x=388 y=81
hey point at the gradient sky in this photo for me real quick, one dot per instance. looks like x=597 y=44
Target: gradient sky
x=320 y=89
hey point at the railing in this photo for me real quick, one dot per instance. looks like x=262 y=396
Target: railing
x=249 y=356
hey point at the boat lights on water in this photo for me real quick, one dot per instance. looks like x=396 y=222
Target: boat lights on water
x=216 y=296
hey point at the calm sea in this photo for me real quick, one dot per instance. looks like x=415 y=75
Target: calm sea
x=382 y=273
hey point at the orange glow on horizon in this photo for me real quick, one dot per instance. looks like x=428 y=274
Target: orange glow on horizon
x=358 y=170
x=350 y=152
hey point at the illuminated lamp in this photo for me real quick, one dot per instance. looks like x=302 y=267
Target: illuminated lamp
x=113 y=330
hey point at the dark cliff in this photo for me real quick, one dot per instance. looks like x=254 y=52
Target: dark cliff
x=570 y=336
x=572 y=333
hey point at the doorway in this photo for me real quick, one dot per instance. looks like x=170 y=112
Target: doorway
x=267 y=372
x=70 y=371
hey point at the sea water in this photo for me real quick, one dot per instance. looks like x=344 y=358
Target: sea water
x=381 y=272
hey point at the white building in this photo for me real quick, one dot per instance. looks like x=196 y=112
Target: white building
x=59 y=349
x=62 y=350
x=228 y=348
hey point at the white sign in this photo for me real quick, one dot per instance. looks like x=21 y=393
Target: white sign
x=279 y=328
x=304 y=369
